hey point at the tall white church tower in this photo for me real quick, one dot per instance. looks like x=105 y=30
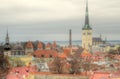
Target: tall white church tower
x=87 y=31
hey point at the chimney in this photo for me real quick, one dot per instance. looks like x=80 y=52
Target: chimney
x=70 y=38
x=70 y=41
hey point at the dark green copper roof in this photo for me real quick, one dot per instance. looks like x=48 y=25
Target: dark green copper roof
x=86 y=26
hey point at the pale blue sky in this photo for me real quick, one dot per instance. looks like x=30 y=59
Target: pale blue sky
x=52 y=19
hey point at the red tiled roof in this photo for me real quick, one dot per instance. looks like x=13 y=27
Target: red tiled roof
x=67 y=50
x=62 y=55
x=85 y=53
x=40 y=45
x=54 y=44
x=100 y=75
x=48 y=45
x=29 y=44
x=46 y=53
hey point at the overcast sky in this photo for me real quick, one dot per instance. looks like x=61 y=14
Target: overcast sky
x=52 y=19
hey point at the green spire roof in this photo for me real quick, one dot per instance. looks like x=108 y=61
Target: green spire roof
x=86 y=26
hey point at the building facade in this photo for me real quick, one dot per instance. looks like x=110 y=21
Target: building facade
x=29 y=48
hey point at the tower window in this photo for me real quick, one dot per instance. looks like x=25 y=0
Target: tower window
x=89 y=33
x=83 y=33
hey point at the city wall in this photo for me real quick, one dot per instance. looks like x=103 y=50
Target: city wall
x=41 y=76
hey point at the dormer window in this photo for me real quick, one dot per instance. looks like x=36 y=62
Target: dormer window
x=51 y=56
x=27 y=70
x=42 y=55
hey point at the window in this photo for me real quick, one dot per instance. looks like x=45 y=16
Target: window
x=89 y=33
x=50 y=56
x=83 y=33
x=19 y=53
x=42 y=55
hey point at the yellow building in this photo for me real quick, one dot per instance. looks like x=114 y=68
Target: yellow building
x=20 y=60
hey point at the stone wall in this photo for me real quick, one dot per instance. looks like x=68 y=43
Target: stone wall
x=41 y=76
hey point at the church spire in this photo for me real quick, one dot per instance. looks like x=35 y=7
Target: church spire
x=7 y=37
x=87 y=26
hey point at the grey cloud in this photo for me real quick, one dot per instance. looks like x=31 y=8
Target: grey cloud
x=51 y=19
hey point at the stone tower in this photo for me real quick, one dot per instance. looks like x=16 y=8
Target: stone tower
x=87 y=31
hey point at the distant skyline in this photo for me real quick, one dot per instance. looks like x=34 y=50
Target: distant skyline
x=46 y=20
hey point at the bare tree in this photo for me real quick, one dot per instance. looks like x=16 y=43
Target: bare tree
x=87 y=64
x=75 y=64
x=57 y=66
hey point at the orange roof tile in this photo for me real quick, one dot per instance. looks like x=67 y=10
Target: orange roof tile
x=62 y=55
x=85 y=53
x=54 y=44
x=48 y=45
x=67 y=50
x=100 y=75
x=20 y=72
x=46 y=53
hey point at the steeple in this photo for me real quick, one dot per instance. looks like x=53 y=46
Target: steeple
x=7 y=37
x=7 y=46
x=87 y=31
x=86 y=26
